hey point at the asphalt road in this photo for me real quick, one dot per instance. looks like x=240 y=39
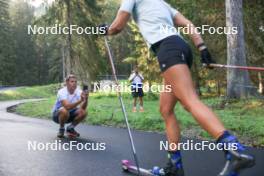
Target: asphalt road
x=17 y=159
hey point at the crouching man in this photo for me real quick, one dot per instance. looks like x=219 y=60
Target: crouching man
x=70 y=107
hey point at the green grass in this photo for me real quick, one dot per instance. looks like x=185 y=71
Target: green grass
x=244 y=118
x=29 y=92
x=104 y=109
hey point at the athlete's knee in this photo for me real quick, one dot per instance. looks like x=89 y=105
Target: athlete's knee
x=166 y=111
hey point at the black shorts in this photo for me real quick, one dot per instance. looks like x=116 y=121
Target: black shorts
x=171 y=51
x=73 y=114
x=137 y=92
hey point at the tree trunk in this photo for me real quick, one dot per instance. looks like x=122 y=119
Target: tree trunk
x=236 y=54
x=63 y=63
x=69 y=56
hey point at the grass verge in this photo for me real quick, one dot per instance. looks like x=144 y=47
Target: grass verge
x=244 y=118
x=29 y=92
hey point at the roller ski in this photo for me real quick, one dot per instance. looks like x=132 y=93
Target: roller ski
x=169 y=170
x=127 y=166
x=236 y=160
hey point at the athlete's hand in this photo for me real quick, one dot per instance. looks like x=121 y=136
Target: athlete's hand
x=84 y=96
x=206 y=58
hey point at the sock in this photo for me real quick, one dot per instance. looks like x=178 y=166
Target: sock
x=61 y=129
x=175 y=158
x=71 y=126
x=228 y=139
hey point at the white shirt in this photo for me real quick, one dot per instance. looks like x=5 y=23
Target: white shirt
x=64 y=94
x=150 y=15
x=136 y=79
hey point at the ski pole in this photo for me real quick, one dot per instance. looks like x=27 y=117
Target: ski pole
x=237 y=67
x=122 y=104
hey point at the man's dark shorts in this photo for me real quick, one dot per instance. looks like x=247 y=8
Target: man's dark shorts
x=137 y=92
x=171 y=51
x=73 y=115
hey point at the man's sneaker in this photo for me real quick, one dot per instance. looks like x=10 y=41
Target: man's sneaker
x=72 y=133
x=235 y=162
x=134 y=109
x=141 y=109
x=169 y=170
x=61 y=133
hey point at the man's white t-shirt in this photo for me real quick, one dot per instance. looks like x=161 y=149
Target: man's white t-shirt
x=136 y=80
x=63 y=94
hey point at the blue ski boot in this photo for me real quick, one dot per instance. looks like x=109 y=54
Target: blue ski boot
x=236 y=160
x=173 y=168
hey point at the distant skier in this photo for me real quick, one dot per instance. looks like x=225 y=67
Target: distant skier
x=175 y=59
